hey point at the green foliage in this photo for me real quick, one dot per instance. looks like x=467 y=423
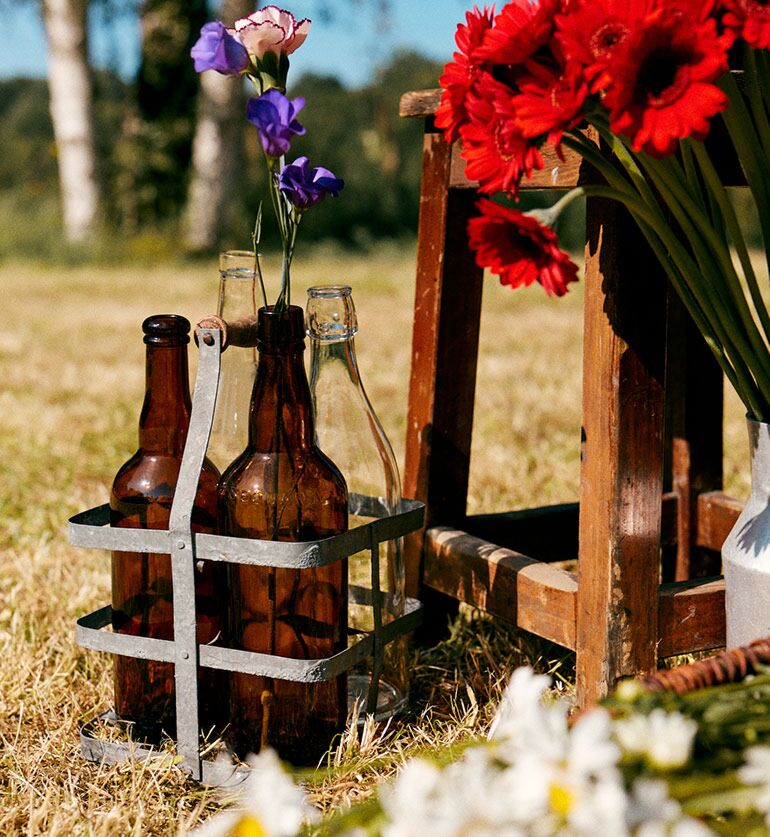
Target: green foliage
x=359 y=135
x=144 y=158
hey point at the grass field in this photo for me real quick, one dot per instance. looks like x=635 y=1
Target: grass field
x=71 y=367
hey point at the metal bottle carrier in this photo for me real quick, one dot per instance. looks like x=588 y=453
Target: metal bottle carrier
x=91 y=529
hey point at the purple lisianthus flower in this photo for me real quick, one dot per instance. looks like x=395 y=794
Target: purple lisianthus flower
x=273 y=114
x=217 y=49
x=305 y=186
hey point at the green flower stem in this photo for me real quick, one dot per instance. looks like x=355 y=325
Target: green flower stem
x=696 y=294
x=657 y=223
x=693 y=180
x=717 y=190
x=654 y=226
x=740 y=799
x=747 y=145
x=666 y=246
x=754 y=96
x=715 y=261
x=255 y=239
x=763 y=75
x=614 y=178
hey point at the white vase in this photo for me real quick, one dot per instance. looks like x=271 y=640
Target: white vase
x=746 y=551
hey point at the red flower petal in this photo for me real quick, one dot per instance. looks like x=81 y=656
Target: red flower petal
x=591 y=31
x=496 y=153
x=750 y=19
x=519 y=30
x=550 y=100
x=518 y=249
x=661 y=76
x=461 y=73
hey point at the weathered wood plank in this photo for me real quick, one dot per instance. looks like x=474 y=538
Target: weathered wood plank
x=542 y=599
x=691 y=616
x=557 y=172
x=535 y=596
x=420 y=102
x=622 y=462
x=447 y=313
x=717 y=513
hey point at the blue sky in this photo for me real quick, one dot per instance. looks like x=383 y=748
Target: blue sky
x=350 y=47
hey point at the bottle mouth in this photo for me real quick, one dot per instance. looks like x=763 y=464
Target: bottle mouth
x=331 y=315
x=238 y=264
x=166 y=329
x=280 y=332
x=328 y=291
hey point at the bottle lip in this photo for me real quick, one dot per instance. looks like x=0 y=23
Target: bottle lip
x=280 y=332
x=334 y=327
x=328 y=291
x=238 y=264
x=166 y=329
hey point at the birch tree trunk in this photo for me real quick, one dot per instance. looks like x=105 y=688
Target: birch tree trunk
x=217 y=149
x=71 y=103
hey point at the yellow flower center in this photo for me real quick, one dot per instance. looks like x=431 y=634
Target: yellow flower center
x=248 y=826
x=560 y=799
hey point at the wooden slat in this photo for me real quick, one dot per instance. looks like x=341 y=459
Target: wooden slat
x=445 y=338
x=557 y=173
x=420 y=102
x=533 y=595
x=622 y=461
x=691 y=616
x=541 y=599
x=717 y=513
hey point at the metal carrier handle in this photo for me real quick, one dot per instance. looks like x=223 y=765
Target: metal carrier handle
x=91 y=529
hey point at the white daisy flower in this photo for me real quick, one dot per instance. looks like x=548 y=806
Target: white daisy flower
x=756 y=771
x=652 y=813
x=663 y=738
x=269 y=804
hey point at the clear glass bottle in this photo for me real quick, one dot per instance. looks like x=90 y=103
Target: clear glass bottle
x=284 y=488
x=237 y=301
x=348 y=431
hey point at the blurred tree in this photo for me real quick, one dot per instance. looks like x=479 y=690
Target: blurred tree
x=155 y=154
x=71 y=103
x=214 y=198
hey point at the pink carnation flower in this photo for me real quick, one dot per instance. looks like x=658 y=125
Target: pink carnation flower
x=271 y=30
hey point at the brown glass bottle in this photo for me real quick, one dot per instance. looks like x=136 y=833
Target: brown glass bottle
x=284 y=488
x=142 y=494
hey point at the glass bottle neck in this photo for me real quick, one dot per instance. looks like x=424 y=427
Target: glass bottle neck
x=281 y=417
x=237 y=296
x=341 y=352
x=165 y=416
x=281 y=413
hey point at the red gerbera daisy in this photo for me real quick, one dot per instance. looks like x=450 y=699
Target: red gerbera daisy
x=495 y=152
x=520 y=29
x=460 y=74
x=661 y=88
x=550 y=100
x=750 y=19
x=518 y=249
x=591 y=31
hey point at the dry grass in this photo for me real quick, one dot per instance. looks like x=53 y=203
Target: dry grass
x=71 y=365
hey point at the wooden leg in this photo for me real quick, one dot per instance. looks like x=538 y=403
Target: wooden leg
x=694 y=407
x=444 y=354
x=621 y=473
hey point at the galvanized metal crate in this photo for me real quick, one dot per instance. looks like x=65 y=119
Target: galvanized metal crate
x=91 y=529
